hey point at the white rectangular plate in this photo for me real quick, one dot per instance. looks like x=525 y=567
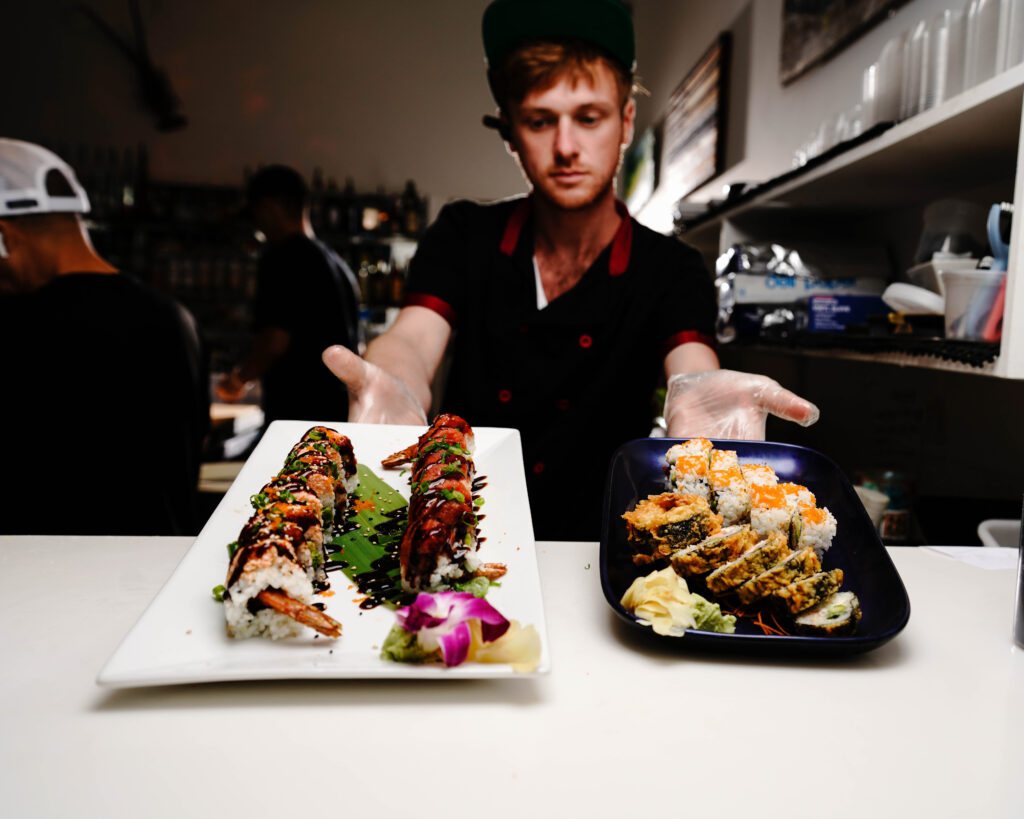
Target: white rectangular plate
x=181 y=638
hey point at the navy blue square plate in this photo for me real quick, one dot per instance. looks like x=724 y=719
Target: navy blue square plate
x=637 y=470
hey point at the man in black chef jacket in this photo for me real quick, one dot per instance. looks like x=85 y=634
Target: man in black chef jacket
x=105 y=384
x=306 y=299
x=562 y=311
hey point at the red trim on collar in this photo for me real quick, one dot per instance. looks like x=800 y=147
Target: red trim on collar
x=514 y=227
x=622 y=243
x=685 y=337
x=439 y=306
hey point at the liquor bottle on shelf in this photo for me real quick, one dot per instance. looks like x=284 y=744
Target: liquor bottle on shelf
x=411 y=204
x=332 y=207
x=396 y=286
x=352 y=214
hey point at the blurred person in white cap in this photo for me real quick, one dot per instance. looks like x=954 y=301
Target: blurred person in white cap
x=106 y=396
x=562 y=310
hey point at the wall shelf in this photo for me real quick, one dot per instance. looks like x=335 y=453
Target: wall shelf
x=968 y=147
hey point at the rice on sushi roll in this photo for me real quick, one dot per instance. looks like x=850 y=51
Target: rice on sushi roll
x=695 y=446
x=730 y=494
x=769 y=510
x=759 y=474
x=689 y=475
x=797 y=496
x=813 y=528
x=269 y=594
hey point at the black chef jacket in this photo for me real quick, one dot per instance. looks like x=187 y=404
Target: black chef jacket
x=575 y=378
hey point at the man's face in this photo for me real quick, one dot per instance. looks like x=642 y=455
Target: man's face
x=569 y=138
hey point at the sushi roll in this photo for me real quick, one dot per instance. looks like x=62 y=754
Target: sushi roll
x=797 y=496
x=662 y=524
x=712 y=552
x=695 y=446
x=442 y=538
x=795 y=566
x=814 y=528
x=769 y=510
x=279 y=560
x=808 y=591
x=749 y=564
x=268 y=593
x=730 y=493
x=286 y=507
x=759 y=474
x=835 y=616
x=689 y=475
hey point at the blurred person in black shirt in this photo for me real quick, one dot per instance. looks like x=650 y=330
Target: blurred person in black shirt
x=307 y=298
x=105 y=380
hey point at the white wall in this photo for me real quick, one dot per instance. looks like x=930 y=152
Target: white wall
x=381 y=91
x=385 y=90
x=767 y=122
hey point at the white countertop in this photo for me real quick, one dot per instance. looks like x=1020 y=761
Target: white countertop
x=930 y=724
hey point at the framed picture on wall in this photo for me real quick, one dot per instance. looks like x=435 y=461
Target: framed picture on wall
x=814 y=31
x=693 y=150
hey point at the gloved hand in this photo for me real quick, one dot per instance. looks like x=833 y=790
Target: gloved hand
x=730 y=404
x=374 y=396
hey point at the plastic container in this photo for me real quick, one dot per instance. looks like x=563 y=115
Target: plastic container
x=999 y=533
x=969 y=301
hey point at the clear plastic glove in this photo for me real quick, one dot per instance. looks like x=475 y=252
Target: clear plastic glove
x=374 y=396
x=730 y=404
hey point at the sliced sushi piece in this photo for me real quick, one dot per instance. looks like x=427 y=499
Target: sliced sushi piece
x=814 y=528
x=759 y=474
x=730 y=493
x=695 y=446
x=269 y=594
x=662 y=524
x=751 y=563
x=834 y=616
x=808 y=591
x=797 y=496
x=689 y=475
x=769 y=510
x=796 y=565
x=712 y=552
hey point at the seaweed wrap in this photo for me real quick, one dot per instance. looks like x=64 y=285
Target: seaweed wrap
x=712 y=552
x=809 y=591
x=795 y=566
x=749 y=564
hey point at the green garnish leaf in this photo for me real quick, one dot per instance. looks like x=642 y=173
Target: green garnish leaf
x=218 y=593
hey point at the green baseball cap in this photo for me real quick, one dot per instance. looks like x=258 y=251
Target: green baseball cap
x=605 y=23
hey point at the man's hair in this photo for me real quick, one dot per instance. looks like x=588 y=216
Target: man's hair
x=542 y=63
x=281 y=184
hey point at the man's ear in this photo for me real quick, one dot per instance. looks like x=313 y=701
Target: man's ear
x=628 y=121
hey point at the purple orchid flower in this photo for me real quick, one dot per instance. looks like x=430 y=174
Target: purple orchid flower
x=441 y=621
